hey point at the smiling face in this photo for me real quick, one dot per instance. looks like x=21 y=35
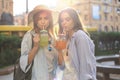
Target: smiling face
x=66 y=21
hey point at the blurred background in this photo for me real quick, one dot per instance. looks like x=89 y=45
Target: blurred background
x=101 y=18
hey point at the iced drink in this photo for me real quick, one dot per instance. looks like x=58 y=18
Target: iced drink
x=61 y=42
x=43 y=38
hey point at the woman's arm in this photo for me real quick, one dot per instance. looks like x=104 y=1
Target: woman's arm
x=27 y=51
x=61 y=62
x=34 y=49
x=60 y=58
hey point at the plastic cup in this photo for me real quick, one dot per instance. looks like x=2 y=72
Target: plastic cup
x=43 y=38
x=61 y=42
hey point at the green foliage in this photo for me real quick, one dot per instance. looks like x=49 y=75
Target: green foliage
x=9 y=46
x=9 y=49
x=110 y=42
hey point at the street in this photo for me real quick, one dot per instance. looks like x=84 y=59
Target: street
x=59 y=74
x=10 y=76
x=6 y=77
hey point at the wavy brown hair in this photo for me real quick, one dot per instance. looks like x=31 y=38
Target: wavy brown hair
x=49 y=28
x=74 y=15
x=35 y=19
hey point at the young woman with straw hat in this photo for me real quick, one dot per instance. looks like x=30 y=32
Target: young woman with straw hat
x=36 y=46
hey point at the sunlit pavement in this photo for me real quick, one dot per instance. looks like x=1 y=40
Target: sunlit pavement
x=10 y=76
x=59 y=74
x=6 y=77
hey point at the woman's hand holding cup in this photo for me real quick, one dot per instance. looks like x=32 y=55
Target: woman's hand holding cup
x=61 y=42
x=36 y=40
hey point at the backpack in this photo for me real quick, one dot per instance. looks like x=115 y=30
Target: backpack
x=19 y=74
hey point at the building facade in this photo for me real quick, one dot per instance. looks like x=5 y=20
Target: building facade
x=103 y=14
x=6 y=6
x=6 y=12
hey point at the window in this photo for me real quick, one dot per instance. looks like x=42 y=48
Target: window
x=118 y=1
x=112 y=28
x=117 y=29
x=111 y=18
x=107 y=9
x=95 y=12
x=106 y=29
x=107 y=1
x=106 y=16
x=110 y=9
x=118 y=10
x=100 y=28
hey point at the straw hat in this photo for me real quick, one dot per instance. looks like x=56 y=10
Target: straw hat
x=36 y=10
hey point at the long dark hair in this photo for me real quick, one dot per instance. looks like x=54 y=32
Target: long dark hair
x=74 y=15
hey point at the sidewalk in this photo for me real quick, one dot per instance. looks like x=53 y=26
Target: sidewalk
x=7 y=70
x=6 y=77
x=7 y=73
